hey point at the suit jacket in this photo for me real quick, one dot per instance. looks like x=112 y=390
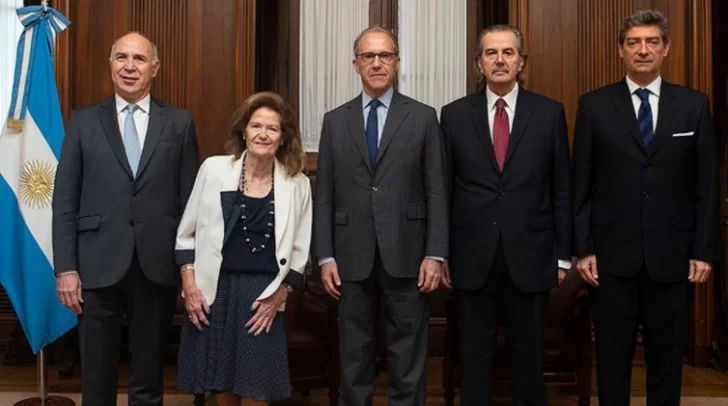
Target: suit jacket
x=212 y=213
x=634 y=206
x=527 y=205
x=398 y=205
x=102 y=215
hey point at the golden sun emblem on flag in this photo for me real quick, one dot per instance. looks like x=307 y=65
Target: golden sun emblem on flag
x=36 y=183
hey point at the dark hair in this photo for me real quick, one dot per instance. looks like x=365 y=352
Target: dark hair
x=290 y=152
x=481 y=82
x=642 y=18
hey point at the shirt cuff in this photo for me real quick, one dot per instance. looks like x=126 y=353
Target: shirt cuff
x=564 y=264
x=325 y=260
x=294 y=279
x=438 y=259
x=184 y=256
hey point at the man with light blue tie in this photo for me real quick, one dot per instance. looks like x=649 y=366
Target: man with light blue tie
x=127 y=167
x=646 y=221
x=380 y=224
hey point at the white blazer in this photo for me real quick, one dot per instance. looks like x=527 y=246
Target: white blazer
x=202 y=227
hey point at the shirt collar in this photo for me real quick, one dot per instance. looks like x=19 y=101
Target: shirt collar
x=510 y=98
x=386 y=98
x=143 y=103
x=653 y=87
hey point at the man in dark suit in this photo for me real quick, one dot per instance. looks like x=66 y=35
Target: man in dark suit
x=646 y=211
x=381 y=223
x=127 y=167
x=510 y=218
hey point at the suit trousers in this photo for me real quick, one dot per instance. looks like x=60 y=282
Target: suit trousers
x=525 y=315
x=405 y=320
x=149 y=308
x=619 y=306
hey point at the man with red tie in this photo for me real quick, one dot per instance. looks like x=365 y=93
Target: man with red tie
x=510 y=217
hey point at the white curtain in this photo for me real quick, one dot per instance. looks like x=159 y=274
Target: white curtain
x=10 y=29
x=327 y=78
x=433 y=50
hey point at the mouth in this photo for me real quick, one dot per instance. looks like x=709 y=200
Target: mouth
x=128 y=80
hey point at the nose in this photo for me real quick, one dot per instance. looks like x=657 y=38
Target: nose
x=128 y=64
x=499 y=58
x=643 y=48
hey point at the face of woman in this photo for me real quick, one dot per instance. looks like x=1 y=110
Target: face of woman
x=263 y=135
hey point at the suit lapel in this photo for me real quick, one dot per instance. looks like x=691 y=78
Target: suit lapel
x=282 y=194
x=398 y=111
x=523 y=113
x=231 y=183
x=355 y=122
x=666 y=104
x=479 y=114
x=154 y=132
x=623 y=102
x=110 y=123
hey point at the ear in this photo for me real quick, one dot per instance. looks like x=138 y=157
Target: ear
x=621 y=52
x=155 y=69
x=356 y=67
x=667 y=49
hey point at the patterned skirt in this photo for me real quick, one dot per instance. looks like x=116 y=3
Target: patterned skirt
x=224 y=357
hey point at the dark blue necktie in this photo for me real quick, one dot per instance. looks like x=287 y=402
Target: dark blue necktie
x=373 y=130
x=644 y=117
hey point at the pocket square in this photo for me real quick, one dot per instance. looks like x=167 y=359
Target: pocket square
x=687 y=134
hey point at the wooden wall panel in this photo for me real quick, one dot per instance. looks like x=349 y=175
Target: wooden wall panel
x=573 y=49
x=164 y=22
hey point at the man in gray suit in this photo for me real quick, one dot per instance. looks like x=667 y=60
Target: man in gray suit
x=381 y=223
x=127 y=167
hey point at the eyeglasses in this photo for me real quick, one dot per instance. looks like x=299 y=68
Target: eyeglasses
x=384 y=57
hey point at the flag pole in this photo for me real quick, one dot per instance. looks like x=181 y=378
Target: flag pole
x=43 y=399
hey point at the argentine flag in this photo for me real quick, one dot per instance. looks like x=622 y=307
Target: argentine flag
x=30 y=145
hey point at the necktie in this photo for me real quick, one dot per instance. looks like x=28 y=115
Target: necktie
x=501 y=132
x=131 y=139
x=644 y=117
x=373 y=130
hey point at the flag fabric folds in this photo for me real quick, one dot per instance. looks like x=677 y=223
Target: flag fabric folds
x=30 y=145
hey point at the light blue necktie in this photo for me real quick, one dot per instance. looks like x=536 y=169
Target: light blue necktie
x=131 y=139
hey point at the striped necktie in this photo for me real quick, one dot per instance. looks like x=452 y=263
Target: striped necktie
x=644 y=117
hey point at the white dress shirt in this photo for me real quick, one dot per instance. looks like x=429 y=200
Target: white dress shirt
x=654 y=98
x=141 y=117
x=510 y=99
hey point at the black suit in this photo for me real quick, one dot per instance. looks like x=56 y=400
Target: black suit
x=645 y=212
x=119 y=233
x=508 y=229
x=379 y=222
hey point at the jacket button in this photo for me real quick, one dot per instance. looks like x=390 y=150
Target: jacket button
x=131 y=223
x=283 y=261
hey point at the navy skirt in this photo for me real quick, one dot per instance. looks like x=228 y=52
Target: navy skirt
x=224 y=357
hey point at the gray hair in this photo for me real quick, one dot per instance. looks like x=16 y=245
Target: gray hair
x=519 y=46
x=642 y=18
x=155 y=53
x=373 y=29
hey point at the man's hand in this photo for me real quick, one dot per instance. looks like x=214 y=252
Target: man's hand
x=587 y=267
x=699 y=271
x=562 y=275
x=68 y=289
x=430 y=271
x=330 y=279
x=445 y=278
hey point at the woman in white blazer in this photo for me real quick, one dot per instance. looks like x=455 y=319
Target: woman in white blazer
x=242 y=244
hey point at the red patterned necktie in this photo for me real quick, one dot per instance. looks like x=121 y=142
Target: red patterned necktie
x=501 y=132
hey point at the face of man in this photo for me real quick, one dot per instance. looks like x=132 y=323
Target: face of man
x=500 y=61
x=132 y=68
x=643 y=51
x=376 y=63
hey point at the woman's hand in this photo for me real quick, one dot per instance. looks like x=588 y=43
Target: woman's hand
x=267 y=309
x=196 y=305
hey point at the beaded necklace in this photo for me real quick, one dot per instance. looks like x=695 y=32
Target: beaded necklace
x=244 y=217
